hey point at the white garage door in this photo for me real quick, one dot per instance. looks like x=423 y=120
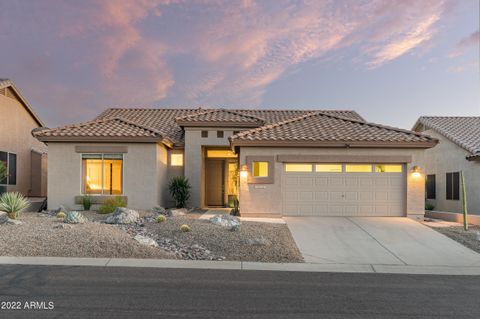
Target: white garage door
x=343 y=189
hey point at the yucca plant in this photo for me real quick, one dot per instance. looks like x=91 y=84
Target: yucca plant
x=13 y=203
x=179 y=188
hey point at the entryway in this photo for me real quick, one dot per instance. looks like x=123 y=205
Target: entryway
x=221 y=177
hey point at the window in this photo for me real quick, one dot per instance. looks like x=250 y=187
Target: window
x=10 y=162
x=219 y=134
x=453 y=186
x=298 y=167
x=221 y=154
x=102 y=174
x=390 y=168
x=176 y=159
x=328 y=168
x=204 y=134
x=260 y=169
x=358 y=168
x=430 y=187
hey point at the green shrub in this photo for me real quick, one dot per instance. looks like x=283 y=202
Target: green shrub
x=236 y=207
x=185 y=228
x=429 y=206
x=110 y=204
x=86 y=202
x=13 y=203
x=179 y=188
x=61 y=215
x=161 y=219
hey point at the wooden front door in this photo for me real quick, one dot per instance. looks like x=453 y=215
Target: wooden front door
x=214 y=182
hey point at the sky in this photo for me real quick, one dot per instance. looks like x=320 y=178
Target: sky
x=389 y=60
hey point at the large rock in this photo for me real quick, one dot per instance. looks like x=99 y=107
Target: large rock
x=74 y=218
x=228 y=221
x=61 y=208
x=3 y=217
x=160 y=210
x=123 y=215
x=178 y=212
x=147 y=241
x=257 y=241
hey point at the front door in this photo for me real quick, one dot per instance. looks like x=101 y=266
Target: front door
x=214 y=180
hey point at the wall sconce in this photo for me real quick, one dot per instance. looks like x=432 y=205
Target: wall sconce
x=244 y=171
x=416 y=171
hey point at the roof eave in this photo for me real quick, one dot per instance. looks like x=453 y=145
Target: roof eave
x=27 y=105
x=345 y=144
x=99 y=139
x=218 y=124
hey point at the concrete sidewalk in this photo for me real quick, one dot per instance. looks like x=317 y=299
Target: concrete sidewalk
x=241 y=265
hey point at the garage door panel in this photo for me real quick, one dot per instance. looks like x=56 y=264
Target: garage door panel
x=343 y=194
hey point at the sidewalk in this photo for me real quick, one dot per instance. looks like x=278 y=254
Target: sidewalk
x=241 y=265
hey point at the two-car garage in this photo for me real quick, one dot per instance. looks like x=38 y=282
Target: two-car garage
x=343 y=189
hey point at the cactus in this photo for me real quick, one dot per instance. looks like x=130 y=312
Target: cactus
x=161 y=219
x=61 y=215
x=185 y=228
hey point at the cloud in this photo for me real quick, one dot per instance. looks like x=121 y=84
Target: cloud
x=473 y=40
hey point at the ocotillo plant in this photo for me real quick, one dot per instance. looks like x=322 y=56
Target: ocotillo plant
x=464 y=202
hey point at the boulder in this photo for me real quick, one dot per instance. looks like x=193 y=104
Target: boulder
x=74 y=217
x=3 y=217
x=178 y=212
x=228 y=221
x=257 y=241
x=147 y=241
x=13 y=222
x=160 y=210
x=123 y=215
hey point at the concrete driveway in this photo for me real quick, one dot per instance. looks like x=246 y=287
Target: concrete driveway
x=376 y=241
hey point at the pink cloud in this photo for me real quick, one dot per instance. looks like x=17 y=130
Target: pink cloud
x=473 y=40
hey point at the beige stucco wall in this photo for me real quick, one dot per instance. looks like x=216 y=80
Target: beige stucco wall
x=448 y=157
x=145 y=172
x=193 y=157
x=267 y=198
x=15 y=137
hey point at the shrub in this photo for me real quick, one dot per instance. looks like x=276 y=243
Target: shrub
x=236 y=207
x=161 y=219
x=110 y=204
x=185 y=228
x=86 y=202
x=61 y=215
x=429 y=206
x=179 y=188
x=12 y=203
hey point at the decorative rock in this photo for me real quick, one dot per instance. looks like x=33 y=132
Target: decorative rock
x=123 y=215
x=260 y=241
x=160 y=210
x=231 y=222
x=147 y=241
x=63 y=226
x=74 y=218
x=13 y=222
x=178 y=212
x=3 y=217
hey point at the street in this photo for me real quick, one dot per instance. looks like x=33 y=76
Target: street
x=98 y=292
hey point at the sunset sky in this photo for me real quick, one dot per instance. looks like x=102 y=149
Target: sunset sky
x=391 y=61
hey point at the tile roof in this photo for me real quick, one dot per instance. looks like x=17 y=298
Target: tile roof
x=114 y=128
x=319 y=128
x=219 y=117
x=462 y=130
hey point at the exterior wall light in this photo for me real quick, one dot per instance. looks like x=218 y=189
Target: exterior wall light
x=416 y=171
x=244 y=171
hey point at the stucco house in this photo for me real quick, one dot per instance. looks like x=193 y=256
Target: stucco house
x=278 y=162
x=24 y=155
x=458 y=150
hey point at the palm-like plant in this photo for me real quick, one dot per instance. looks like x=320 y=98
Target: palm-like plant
x=13 y=203
x=179 y=188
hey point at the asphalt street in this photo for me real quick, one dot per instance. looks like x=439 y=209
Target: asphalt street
x=98 y=292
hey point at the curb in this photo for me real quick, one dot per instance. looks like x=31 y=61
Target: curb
x=242 y=265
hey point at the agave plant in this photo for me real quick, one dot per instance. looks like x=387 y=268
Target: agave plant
x=13 y=203
x=179 y=188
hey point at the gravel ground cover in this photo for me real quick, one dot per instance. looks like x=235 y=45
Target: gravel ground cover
x=468 y=238
x=37 y=236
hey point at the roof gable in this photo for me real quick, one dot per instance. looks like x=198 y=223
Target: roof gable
x=461 y=130
x=219 y=118
x=9 y=85
x=320 y=129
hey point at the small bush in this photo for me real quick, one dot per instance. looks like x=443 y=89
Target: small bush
x=179 y=188
x=236 y=207
x=61 y=215
x=429 y=206
x=161 y=219
x=13 y=203
x=87 y=202
x=111 y=204
x=185 y=228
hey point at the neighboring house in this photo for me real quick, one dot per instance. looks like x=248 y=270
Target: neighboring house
x=23 y=154
x=291 y=162
x=458 y=150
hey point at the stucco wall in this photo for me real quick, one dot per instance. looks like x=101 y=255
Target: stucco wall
x=16 y=137
x=267 y=198
x=144 y=167
x=449 y=157
x=194 y=158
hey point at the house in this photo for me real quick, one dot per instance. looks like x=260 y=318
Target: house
x=24 y=156
x=458 y=150
x=278 y=162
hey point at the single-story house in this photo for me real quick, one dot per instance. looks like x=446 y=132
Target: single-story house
x=24 y=156
x=458 y=150
x=277 y=162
